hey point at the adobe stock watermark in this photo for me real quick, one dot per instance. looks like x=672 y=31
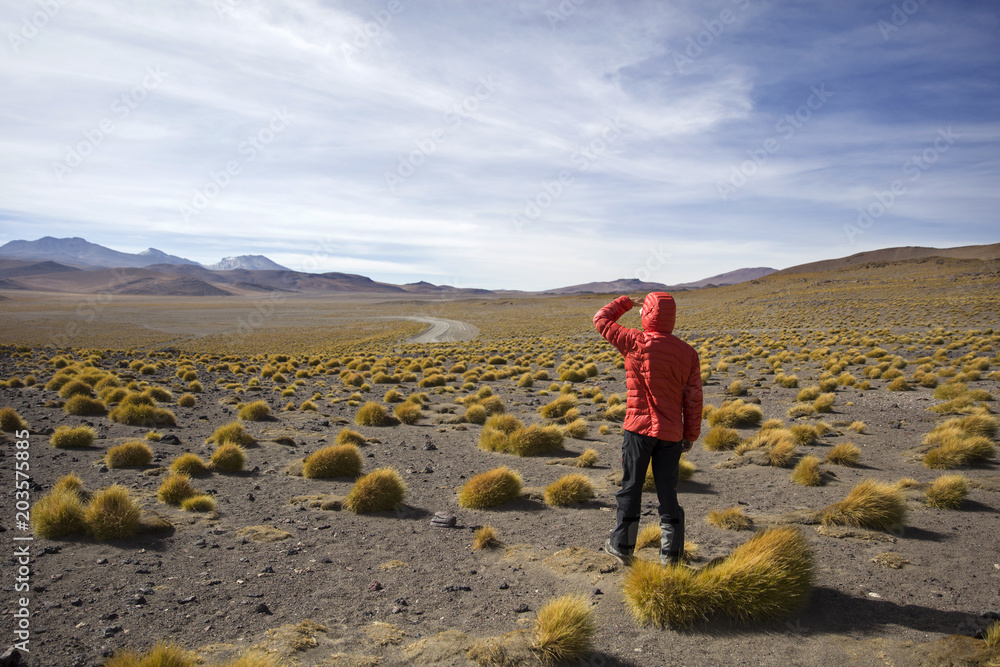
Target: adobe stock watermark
x=785 y=129
x=452 y=120
x=371 y=31
x=899 y=17
x=121 y=109
x=580 y=160
x=656 y=259
x=89 y=307
x=913 y=169
x=562 y=12
x=704 y=39
x=31 y=26
x=248 y=149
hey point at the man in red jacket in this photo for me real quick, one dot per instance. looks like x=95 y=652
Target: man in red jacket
x=662 y=420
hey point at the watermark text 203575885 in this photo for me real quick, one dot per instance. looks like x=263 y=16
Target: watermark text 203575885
x=22 y=556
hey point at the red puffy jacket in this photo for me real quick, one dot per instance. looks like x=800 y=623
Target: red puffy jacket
x=662 y=372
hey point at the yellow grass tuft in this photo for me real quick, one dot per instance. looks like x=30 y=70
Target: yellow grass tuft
x=767 y=577
x=10 y=421
x=731 y=518
x=948 y=492
x=187 y=400
x=807 y=473
x=68 y=437
x=349 y=436
x=569 y=490
x=58 y=514
x=587 y=459
x=130 y=454
x=559 y=407
x=201 y=502
x=577 y=428
x=333 y=461
x=255 y=411
x=491 y=488
x=870 y=504
x=408 y=413
x=992 y=635
x=844 y=454
x=736 y=414
x=189 y=464
x=69 y=482
x=380 y=490
x=232 y=433
x=175 y=488
x=228 y=457
x=720 y=438
x=84 y=406
x=161 y=655
x=824 y=403
x=141 y=414
x=372 y=414
x=112 y=514
x=486 y=538
x=564 y=629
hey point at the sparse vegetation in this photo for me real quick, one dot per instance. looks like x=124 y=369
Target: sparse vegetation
x=131 y=454
x=189 y=464
x=569 y=490
x=372 y=414
x=731 y=518
x=948 y=492
x=844 y=454
x=67 y=437
x=564 y=629
x=228 y=457
x=112 y=514
x=380 y=490
x=870 y=504
x=333 y=461
x=490 y=489
x=807 y=472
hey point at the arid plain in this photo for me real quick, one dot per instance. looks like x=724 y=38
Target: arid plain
x=876 y=356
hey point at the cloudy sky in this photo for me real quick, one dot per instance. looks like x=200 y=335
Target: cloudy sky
x=502 y=144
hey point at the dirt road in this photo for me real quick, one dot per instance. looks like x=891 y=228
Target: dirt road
x=443 y=331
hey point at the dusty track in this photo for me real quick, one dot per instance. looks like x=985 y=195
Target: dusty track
x=443 y=331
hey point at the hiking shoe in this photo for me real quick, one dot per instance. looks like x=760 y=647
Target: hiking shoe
x=623 y=558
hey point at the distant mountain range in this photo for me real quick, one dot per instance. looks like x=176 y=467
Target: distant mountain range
x=80 y=252
x=75 y=265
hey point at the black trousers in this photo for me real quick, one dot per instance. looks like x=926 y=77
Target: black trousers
x=637 y=452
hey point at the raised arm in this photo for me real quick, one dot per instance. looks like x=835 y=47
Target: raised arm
x=606 y=321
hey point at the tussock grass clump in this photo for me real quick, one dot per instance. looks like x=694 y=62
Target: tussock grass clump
x=767 y=577
x=66 y=437
x=948 y=492
x=577 y=428
x=84 y=406
x=349 y=436
x=232 y=433
x=228 y=457
x=161 y=655
x=380 y=490
x=189 y=464
x=58 y=514
x=736 y=414
x=899 y=384
x=372 y=414
x=845 y=454
x=175 y=488
x=992 y=635
x=564 y=629
x=536 y=440
x=569 y=490
x=141 y=414
x=200 y=502
x=408 y=413
x=10 y=421
x=187 y=400
x=491 y=488
x=808 y=394
x=720 y=438
x=559 y=407
x=807 y=473
x=476 y=414
x=112 y=514
x=587 y=459
x=804 y=434
x=333 y=461
x=956 y=447
x=486 y=538
x=69 y=482
x=824 y=403
x=870 y=504
x=731 y=518
x=616 y=412
x=255 y=411
x=131 y=454
x=158 y=394
x=75 y=388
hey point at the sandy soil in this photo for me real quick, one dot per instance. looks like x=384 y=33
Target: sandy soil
x=381 y=584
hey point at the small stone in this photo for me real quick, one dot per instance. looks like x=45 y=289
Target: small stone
x=170 y=439
x=444 y=520
x=504 y=585
x=139 y=600
x=10 y=658
x=102 y=561
x=430 y=447
x=262 y=608
x=521 y=609
x=374 y=586
x=188 y=600
x=111 y=630
x=597 y=591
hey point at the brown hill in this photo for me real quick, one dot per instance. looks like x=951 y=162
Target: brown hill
x=983 y=252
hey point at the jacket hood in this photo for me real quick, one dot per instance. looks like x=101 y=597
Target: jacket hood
x=659 y=312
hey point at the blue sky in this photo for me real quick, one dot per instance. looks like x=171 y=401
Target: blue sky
x=524 y=145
